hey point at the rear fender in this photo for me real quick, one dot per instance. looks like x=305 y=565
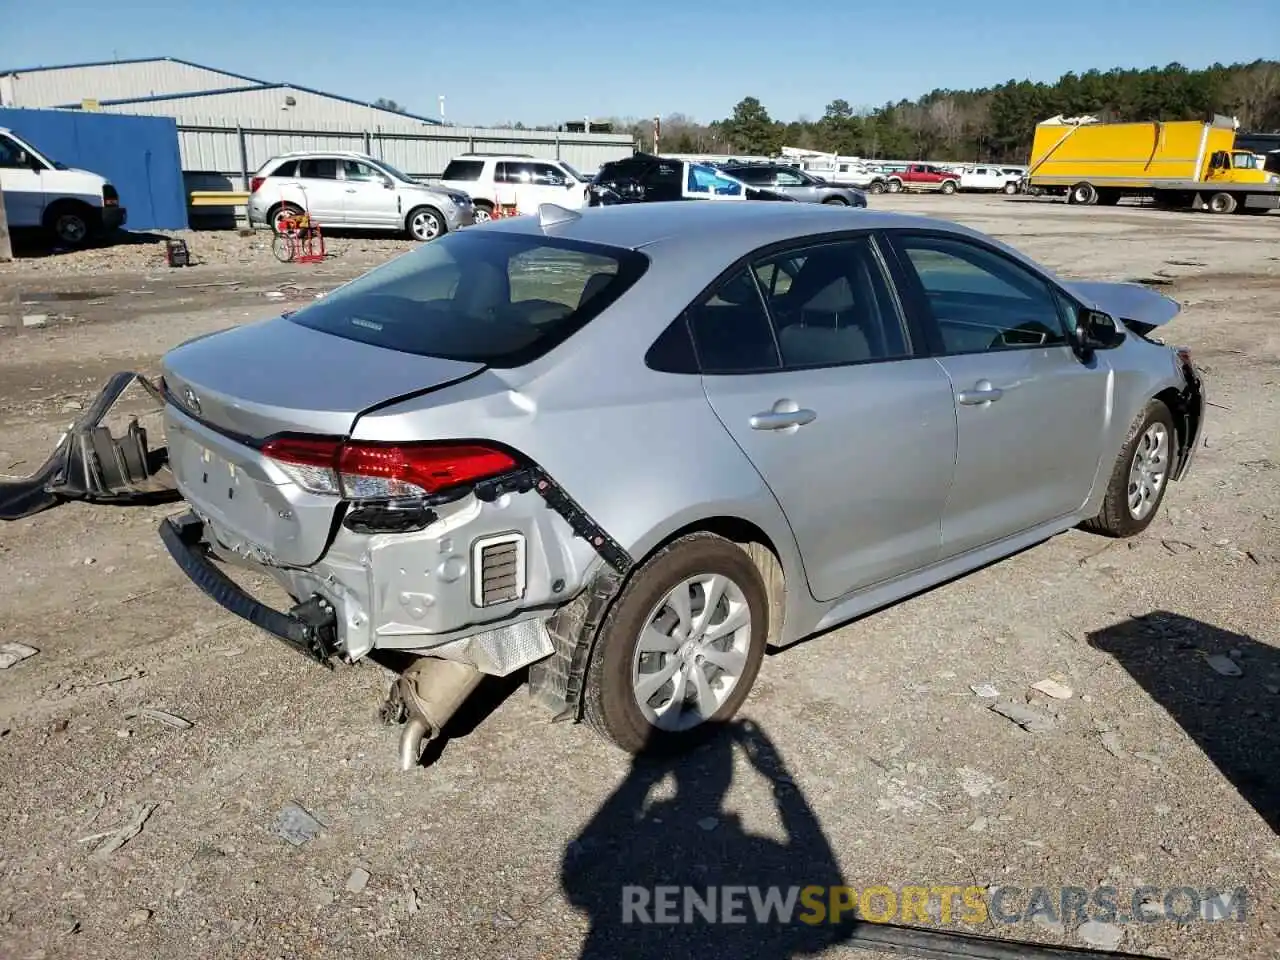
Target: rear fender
x=93 y=465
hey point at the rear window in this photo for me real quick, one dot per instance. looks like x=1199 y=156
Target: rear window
x=287 y=169
x=463 y=170
x=495 y=298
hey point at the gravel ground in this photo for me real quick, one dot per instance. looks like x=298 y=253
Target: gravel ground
x=869 y=758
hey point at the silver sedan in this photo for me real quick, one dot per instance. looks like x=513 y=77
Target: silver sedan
x=626 y=448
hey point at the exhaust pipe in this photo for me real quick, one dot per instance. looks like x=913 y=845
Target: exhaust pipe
x=431 y=690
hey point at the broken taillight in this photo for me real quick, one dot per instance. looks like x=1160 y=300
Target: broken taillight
x=383 y=471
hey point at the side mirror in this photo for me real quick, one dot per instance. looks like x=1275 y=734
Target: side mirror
x=387 y=184
x=1096 y=331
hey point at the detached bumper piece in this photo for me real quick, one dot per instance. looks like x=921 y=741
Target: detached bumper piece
x=93 y=465
x=310 y=627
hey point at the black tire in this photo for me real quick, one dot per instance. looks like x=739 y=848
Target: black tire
x=835 y=202
x=948 y=187
x=1108 y=198
x=71 y=224
x=1010 y=188
x=876 y=186
x=610 y=705
x=484 y=210
x=279 y=212
x=894 y=186
x=1116 y=519
x=1221 y=202
x=416 y=224
x=1083 y=194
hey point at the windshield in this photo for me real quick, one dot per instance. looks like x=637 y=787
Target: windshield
x=395 y=173
x=501 y=299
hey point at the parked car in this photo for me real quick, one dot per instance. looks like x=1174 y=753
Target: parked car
x=355 y=191
x=923 y=177
x=74 y=207
x=480 y=452
x=519 y=179
x=648 y=178
x=796 y=184
x=989 y=179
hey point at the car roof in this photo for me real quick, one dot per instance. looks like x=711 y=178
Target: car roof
x=736 y=226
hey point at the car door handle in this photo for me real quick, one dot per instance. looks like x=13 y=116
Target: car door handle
x=984 y=391
x=785 y=413
x=351 y=189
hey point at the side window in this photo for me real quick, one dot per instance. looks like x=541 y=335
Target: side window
x=355 y=170
x=502 y=173
x=9 y=153
x=981 y=300
x=323 y=168
x=832 y=304
x=463 y=170
x=731 y=330
x=516 y=172
x=287 y=169
x=707 y=181
x=785 y=178
x=546 y=175
x=755 y=176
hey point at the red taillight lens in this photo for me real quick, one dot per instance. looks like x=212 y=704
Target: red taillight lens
x=255 y=183
x=383 y=471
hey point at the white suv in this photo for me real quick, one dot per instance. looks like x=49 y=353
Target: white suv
x=492 y=179
x=353 y=190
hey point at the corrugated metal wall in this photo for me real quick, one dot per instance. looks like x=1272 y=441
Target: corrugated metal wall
x=213 y=147
x=112 y=81
x=269 y=106
x=138 y=155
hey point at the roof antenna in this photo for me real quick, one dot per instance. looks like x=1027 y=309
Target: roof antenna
x=550 y=214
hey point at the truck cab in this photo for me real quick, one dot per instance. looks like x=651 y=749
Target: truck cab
x=72 y=206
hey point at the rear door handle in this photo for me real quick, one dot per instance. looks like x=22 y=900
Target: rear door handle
x=351 y=189
x=784 y=414
x=984 y=391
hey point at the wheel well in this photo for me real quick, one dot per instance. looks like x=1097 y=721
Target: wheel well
x=1184 y=415
x=67 y=204
x=482 y=203
x=758 y=547
x=423 y=206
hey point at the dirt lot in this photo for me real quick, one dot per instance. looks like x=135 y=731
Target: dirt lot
x=890 y=770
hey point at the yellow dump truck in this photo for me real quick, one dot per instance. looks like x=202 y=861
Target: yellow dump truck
x=1182 y=163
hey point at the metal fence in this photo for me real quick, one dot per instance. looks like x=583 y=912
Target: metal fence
x=212 y=151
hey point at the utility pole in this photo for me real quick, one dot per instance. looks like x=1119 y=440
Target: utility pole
x=441 y=98
x=6 y=247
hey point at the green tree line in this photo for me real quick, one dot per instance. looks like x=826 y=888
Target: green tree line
x=994 y=123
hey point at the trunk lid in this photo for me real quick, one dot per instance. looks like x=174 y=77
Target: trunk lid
x=231 y=390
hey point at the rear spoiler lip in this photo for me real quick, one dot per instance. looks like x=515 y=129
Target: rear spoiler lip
x=91 y=464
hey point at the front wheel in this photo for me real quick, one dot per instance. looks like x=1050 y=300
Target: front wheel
x=948 y=187
x=425 y=223
x=484 y=212
x=876 y=186
x=680 y=648
x=895 y=186
x=1140 y=476
x=1222 y=202
x=1010 y=188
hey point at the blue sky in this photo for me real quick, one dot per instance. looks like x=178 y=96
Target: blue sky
x=545 y=62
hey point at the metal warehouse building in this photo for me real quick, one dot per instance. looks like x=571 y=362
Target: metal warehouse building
x=229 y=124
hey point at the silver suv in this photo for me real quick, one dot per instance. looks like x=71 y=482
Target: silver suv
x=342 y=189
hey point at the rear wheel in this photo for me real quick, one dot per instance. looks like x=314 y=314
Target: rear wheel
x=1140 y=476
x=680 y=648
x=948 y=186
x=484 y=211
x=278 y=214
x=1010 y=188
x=1083 y=194
x=876 y=186
x=1222 y=202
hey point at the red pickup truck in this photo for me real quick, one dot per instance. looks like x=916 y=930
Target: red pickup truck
x=922 y=176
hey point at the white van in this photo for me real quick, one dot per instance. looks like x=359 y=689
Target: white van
x=75 y=206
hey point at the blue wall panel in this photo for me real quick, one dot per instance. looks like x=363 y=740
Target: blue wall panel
x=139 y=155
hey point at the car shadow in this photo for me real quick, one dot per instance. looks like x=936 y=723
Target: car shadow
x=1231 y=718
x=36 y=244
x=684 y=838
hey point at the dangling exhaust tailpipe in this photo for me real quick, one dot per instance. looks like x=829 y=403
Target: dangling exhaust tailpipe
x=431 y=690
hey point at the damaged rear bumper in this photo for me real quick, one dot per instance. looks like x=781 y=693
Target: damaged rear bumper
x=92 y=464
x=310 y=627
